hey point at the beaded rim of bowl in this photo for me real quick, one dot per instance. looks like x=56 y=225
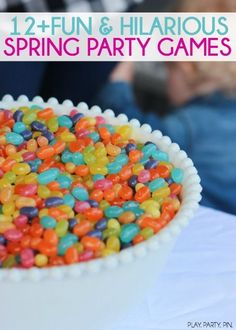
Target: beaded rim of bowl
x=191 y=195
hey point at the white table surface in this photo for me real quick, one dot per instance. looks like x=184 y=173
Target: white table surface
x=199 y=280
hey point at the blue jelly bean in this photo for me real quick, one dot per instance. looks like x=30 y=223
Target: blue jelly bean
x=54 y=201
x=113 y=211
x=48 y=222
x=38 y=126
x=114 y=168
x=48 y=135
x=80 y=193
x=65 y=242
x=160 y=155
x=152 y=163
x=93 y=203
x=65 y=121
x=177 y=175
x=128 y=232
x=48 y=176
x=14 y=138
x=72 y=223
x=156 y=184
x=101 y=224
x=133 y=180
x=33 y=165
x=95 y=233
x=18 y=115
x=69 y=200
x=64 y=181
x=27 y=135
x=76 y=117
x=66 y=156
x=3 y=240
x=148 y=149
x=77 y=158
x=29 y=211
x=130 y=146
x=19 y=127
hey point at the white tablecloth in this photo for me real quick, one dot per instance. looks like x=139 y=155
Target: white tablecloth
x=199 y=281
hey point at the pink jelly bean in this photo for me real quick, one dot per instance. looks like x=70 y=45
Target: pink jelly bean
x=73 y=112
x=27 y=156
x=103 y=184
x=21 y=146
x=27 y=258
x=8 y=114
x=80 y=207
x=144 y=176
x=13 y=235
x=21 y=220
x=100 y=120
x=86 y=255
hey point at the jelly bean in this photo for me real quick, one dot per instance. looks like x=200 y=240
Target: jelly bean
x=93 y=214
x=114 y=168
x=95 y=233
x=65 y=242
x=160 y=155
x=82 y=228
x=144 y=176
x=14 y=138
x=68 y=199
x=65 y=121
x=80 y=194
x=81 y=207
x=147 y=233
x=101 y=224
x=29 y=211
x=91 y=243
x=48 y=222
x=27 y=258
x=113 y=212
x=156 y=184
x=45 y=152
x=103 y=184
x=41 y=260
x=113 y=243
x=161 y=193
x=128 y=232
x=53 y=201
x=18 y=115
x=68 y=137
x=13 y=235
x=127 y=217
x=142 y=194
x=149 y=149
x=38 y=126
x=61 y=228
x=48 y=176
x=24 y=201
x=19 y=127
x=177 y=175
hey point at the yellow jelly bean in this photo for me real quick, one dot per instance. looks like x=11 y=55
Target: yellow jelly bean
x=113 y=150
x=70 y=167
x=56 y=194
x=4 y=183
x=5 y=218
x=30 y=178
x=95 y=169
x=8 y=208
x=52 y=124
x=4 y=226
x=43 y=192
x=10 y=177
x=68 y=137
x=153 y=211
x=149 y=202
x=41 y=260
x=137 y=168
x=161 y=193
x=21 y=169
x=29 y=117
x=125 y=131
x=102 y=161
x=113 y=243
x=114 y=224
x=107 y=252
x=24 y=201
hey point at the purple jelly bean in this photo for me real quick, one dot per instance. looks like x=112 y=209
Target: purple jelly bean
x=130 y=146
x=93 y=203
x=27 y=134
x=48 y=135
x=152 y=163
x=29 y=211
x=133 y=180
x=72 y=223
x=75 y=118
x=95 y=233
x=37 y=126
x=54 y=201
x=101 y=224
x=18 y=115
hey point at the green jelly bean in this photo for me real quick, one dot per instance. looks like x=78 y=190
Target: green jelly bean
x=156 y=184
x=110 y=232
x=52 y=124
x=77 y=158
x=48 y=222
x=14 y=138
x=65 y=121
x=9 y=262
x=65 y=242
x=29 y=117
x=113 y=211
x=61 y=228
x=89 y=158
x=48 y=176
x=80 y=193
x=128 y=232
x=177 y=175
x=69 y=200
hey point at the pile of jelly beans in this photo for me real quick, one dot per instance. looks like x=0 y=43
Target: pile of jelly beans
x=75 y=188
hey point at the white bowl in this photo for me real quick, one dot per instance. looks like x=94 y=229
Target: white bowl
x=95 y=294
